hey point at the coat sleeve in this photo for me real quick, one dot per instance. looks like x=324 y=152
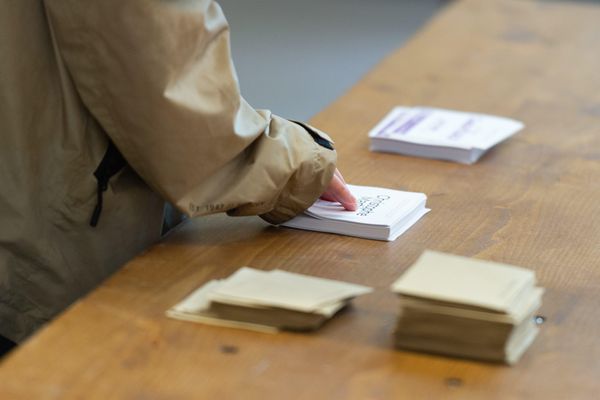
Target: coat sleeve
x=158 y=76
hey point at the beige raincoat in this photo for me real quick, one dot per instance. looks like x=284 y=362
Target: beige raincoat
x=156 y=77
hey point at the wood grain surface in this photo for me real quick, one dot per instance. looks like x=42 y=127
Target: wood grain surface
x=534 y=201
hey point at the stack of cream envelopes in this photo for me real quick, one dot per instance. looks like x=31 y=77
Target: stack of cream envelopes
x=467 y=308
x=267 y=301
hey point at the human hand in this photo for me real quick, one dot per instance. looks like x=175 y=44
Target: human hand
x=337 y=190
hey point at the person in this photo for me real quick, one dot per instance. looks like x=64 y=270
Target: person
x=109 y=108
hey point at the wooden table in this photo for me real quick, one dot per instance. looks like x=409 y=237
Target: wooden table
x=534 y=201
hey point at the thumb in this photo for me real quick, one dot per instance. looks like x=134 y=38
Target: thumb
x=341 y=193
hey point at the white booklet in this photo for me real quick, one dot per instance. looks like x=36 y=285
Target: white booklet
x=441 y=134
x=382 y=214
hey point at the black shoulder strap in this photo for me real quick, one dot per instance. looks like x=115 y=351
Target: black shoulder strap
x=111 y=163
x=316 y=137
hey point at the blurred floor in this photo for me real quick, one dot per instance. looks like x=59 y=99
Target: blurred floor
x=295 y=57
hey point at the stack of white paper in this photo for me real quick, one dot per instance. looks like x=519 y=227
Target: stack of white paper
x=382 y=214
x=441 y=134
x=267 y=301
x=468 y=308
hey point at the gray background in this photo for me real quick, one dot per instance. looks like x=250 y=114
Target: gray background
x=295 y=57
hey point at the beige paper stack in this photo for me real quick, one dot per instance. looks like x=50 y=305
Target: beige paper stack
x=267 y=301
x=467 y=308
